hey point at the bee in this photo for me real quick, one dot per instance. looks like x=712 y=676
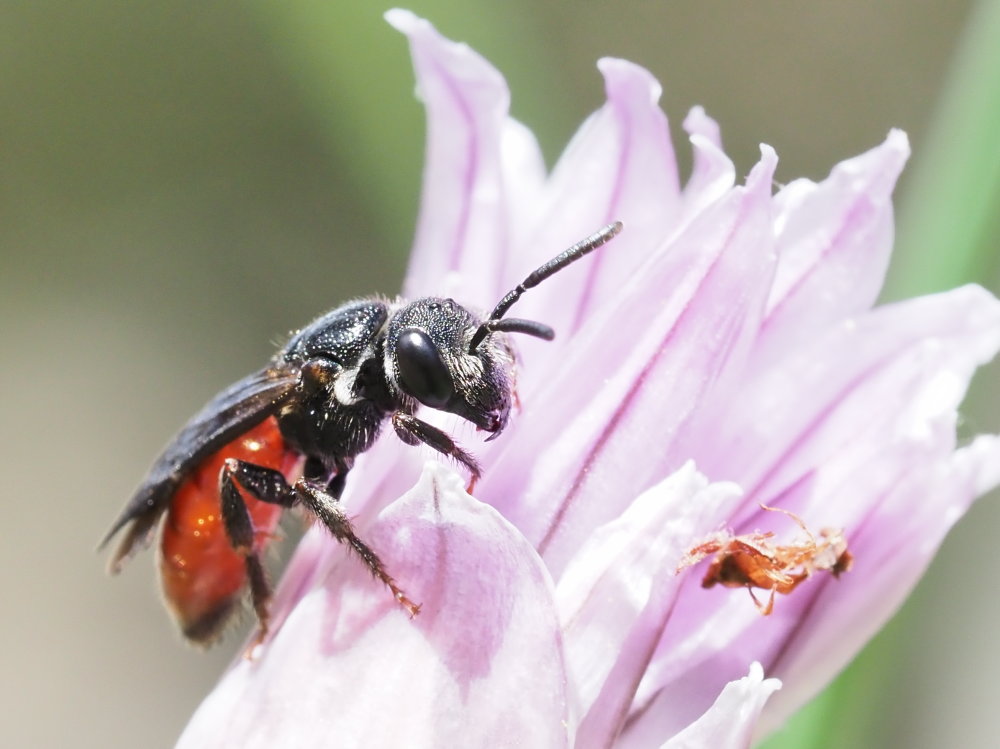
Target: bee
x=752 y=561
x=288 y=434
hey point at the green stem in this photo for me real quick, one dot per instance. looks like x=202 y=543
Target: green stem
x=950 y=217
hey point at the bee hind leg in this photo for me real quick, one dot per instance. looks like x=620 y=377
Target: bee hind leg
x=264 y=484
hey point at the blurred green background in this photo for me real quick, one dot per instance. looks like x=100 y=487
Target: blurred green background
x=182 y=183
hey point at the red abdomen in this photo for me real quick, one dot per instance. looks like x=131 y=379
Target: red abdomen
x=202 y=576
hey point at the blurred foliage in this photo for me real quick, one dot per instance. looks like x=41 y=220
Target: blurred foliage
x=949 y=222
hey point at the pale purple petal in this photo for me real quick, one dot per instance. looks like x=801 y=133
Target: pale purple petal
x=730 y=723
x=863 y=433
x=481 y=665
x=616 y=594
x=834 y=241
x=844 y=384
x=714 y=631
x=713 y=173
x=672 y=332
x=644 y=191
x=466 y=209
x=699 y=123
x=619 y=166
x=892 y=549
x=524 y=179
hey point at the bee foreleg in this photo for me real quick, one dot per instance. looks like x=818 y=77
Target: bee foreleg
x=414 y=431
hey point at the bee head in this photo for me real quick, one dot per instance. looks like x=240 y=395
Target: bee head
x=440 y=354
x=429 y=358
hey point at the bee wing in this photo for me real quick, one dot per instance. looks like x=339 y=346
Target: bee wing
x=236 y=409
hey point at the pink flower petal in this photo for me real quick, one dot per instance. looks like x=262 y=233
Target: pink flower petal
x=713 y=174
x=730 y=723
x=814 y=632
x=671 y=333
x=616 y=595
x=892 y=550
x=619 y=166
x=699 y=123
x=867 y=431
x=481 y=665
x=714 y=631
x=644 y=189
x=834 y=241
x=470 y=191
x=830 y=391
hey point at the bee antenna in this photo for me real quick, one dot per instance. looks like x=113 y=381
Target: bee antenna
x=514 y=325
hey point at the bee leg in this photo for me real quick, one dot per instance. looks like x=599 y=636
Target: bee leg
x=269 y=486
x=324 y=505
x=413 y=431
x=335 y=485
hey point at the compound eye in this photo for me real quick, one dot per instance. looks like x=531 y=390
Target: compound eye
x=421 y=371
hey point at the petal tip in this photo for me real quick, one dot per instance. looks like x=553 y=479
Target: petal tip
x=762 y=174
x=405 y=21
x=898 y=141
x=755 y=677
x=891 y=156
x=442 y=478
x=425 y=36
x=768 y=154
x=623 y=78
x=875 y=171
x=698 y=122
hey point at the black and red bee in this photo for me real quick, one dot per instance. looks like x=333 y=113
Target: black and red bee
x=288 y=434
